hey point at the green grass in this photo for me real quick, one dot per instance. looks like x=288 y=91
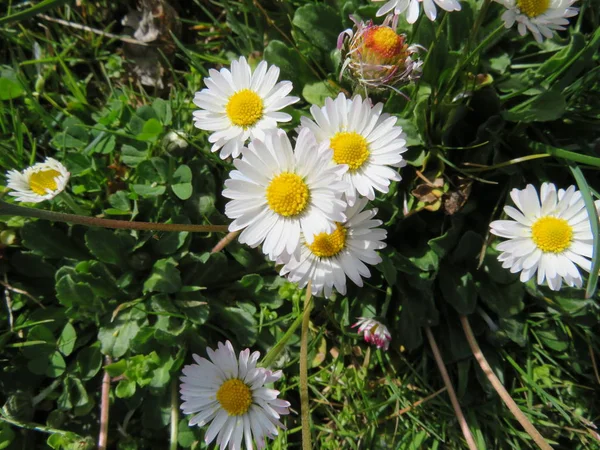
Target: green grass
x=73 y=298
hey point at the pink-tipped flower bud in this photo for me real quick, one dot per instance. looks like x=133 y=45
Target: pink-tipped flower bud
x=374 y=332
x=376 y=57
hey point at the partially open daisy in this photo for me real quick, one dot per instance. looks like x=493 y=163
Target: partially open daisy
x=42 y=181
x=548 y=236
x=277 y=192
x=368 y=142
x=377 y=57
x=540 y=17
x=333 y=256
x=241 y=104
x=229 y=393
x=411 y=8
x=374 y=332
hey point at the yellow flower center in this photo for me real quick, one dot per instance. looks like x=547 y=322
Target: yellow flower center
x=244 y=108
x=235 y=397
x=384 y=41
x=552 y=234
x=349 y=148
x=42 y=180
x=287 y=194
x=533 y=8
x=327 y=245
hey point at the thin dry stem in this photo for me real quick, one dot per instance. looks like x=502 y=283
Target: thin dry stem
x=502 y=392
x=104 y=408
x=451 y=393
x=304 y=404
x=228 y=239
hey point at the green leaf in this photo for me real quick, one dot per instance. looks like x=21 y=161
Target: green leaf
x=109 y=246
x=125 y=389
x=71 y=293
x=504 y=300
x=162 y=108
x=7 y=435
x=10 y=87
x=316 y=93
x=182 y=182
x=89 y=362
x=116 y=337
x=56 y=365
x=291 y=64
x=150 y=131
x=241 y=322
x=73 y=135
x=147 y=190
x=132 y=156
x=458 y=289
x=32 y=265
x=320 y=25
x=66 y=340
x=165 y=277
x=550 y=105
x=49 y=241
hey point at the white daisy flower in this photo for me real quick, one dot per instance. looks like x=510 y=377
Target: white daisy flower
x=333 y=256
x=412 y=10
x=277 y=192
x=229 y=393
x=374 y=332
x=240 y=104
x=540 y=17
x=42 y=181
x=362 y=138
x=548 y=236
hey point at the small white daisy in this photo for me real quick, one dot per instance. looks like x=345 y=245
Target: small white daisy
x=241 y=104
x=230 y=393
x=42 y=181
x=412 y=10
x=332 y=256
x=546 y=236
x=277 y=192
x=362 y=138
x=374 y=332
x=540 y=17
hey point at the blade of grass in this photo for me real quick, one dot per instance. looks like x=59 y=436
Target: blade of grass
x=39 y=8
x=565 y=154
x=593 y=215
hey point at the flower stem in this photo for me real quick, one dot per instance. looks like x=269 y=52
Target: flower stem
x=174 y=415
x=272 y=354
x=451 y=393
x=73 y=206
x=36 y=427
x=228 y=239
x=500 y=389
x=304 y=404
x=8 y=209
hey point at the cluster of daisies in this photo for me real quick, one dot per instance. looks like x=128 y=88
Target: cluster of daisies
x=303 y=200
x=540 y=17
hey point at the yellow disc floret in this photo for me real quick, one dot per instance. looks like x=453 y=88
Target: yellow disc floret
x=235 y=397
x=40 y=181
x=326 y=245
x=552 y=234
x=384 y=41
x=287 y=194
x=244 y=108
x=533 y=8
x=349 y=148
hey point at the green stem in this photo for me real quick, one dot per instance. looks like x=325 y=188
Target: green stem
x=478 y=22
x=174 y=415
x=68 y=200
x=468 y=59
x=273 y=354
x=8 y=209
x=507 y=163
x=386 y=303
x=565 y=154
x=35 y=427
x=304 y=403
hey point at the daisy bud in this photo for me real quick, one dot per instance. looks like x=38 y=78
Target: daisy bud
x=374 y=332
x=377 y=57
